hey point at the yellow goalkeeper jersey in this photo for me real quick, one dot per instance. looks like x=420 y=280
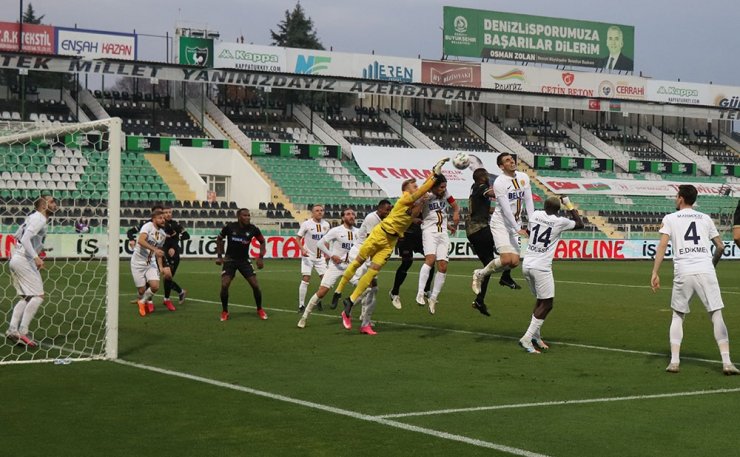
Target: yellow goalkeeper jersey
x=399 y=219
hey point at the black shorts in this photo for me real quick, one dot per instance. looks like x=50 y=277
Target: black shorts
x=482 y=244
x=244 y=267
x=409 y=244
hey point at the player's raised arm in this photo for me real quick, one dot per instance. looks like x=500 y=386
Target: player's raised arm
x=427 y=184
x=573 y=212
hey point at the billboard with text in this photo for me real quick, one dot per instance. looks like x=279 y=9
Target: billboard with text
x=249 y=57
x=520 y=37
x=365 y=66
x=94 y=44
x=37 y=39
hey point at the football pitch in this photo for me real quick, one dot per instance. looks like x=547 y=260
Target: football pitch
x=454 y=383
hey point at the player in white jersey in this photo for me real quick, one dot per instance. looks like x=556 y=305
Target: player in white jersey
x=545 y=228
x=309 y=235
x=146 y=261
x=25 y=266
x=435 y=239
x=336 y=245
x=690 y=233
x=513 y=196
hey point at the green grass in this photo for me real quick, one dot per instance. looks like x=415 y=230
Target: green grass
x=608 y=336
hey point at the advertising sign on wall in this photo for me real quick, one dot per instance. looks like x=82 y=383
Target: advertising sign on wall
x=162 y=144
x=37 y=39
x=628 y=187
x=678 y=92
x=196 y=51
x=572 y=163
x=301 y=151
x=94 y=44
x=520 y=37
x=249 y=57
x=651 y=166
x=442 y=73
x=365 y=66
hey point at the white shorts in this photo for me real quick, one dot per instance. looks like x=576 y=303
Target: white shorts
x=143 y=273
x=505 y=242
x=541 y=283
x=704 y=285
x=308 y=264
x=436 y=243
x=26 y=277
x=333 y=273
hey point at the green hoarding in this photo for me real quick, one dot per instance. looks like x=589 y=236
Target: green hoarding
x=652 y=166
x=162 y=144
x=572 y=163
x=725 y=170
x=196 y=51
x=301 y=151
x=525 y=38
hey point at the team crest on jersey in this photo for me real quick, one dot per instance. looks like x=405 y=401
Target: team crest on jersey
x=521 y=182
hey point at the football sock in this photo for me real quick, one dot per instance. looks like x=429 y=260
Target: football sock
x=302 y=290
x=506 y=276
x=147 y=295
x=676 y=336
x=534 y=328
x=493 y=267
x=311 y=303
x=720 y=334
x=483 y=289
x=439 y=281
x=348 y=273
x=28 y=313
x=15 y=319
x=257 y=292
x=401 y=273
x=368 y=307
x=364 y=283
x=423 y=277
x=225 y=299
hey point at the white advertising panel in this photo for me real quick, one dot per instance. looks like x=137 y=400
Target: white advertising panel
x=92 y=44
x=286 y=247
x=629 y=187
x=574 y=83
x=366 y=66
x=389 y=167
x=249 y=57
x=678 y=92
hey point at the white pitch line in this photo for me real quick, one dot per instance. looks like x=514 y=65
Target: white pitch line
x=339 y=411
x=561 y=403
x=582 y=283
x=472 y=333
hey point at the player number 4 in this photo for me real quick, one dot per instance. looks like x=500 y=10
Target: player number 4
x=691 y=234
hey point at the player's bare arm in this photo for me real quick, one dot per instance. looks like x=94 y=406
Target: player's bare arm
x=659 y=255
x=219 y=250
x=263 y=250
x=719 y=248
x=145 y=244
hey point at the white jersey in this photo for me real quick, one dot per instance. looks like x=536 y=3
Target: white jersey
x=544 y=233
x=434 y=214
x=371 y=220
x=154 y=236
x=691 y=233
x=30 y=236
x=513 y=196
x=341 y=239
x=312 y=232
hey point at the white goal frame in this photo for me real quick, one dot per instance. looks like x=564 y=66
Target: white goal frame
x=29 y=131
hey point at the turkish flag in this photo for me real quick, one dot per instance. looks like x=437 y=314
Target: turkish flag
x=594 y=105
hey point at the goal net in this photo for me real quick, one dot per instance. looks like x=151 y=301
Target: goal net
x=79 y=165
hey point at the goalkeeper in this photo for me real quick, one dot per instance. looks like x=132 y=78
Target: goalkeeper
x=380 y=243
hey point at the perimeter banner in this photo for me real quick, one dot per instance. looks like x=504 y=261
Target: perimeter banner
x=96 y=44
x=250 y=57
x=520 y=37
x=286 y=247
x=37 y=39
x=623 y=187
x=389 y=167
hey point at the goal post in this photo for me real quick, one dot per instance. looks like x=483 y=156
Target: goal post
x=80 y=166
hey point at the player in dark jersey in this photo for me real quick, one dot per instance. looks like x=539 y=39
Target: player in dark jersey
x=410 y=243
x=479 y=233
x=175 y=233
x=238 y=236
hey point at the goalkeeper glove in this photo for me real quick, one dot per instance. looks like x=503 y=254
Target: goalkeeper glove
x=437 y=169
x=567 y=203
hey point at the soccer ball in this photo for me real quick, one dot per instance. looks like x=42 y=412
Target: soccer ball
x=461 y=161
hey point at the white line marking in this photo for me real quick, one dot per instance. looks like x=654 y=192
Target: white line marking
x=339 y=411
x=562 y=403
x=472 y=333
x=520 y=279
